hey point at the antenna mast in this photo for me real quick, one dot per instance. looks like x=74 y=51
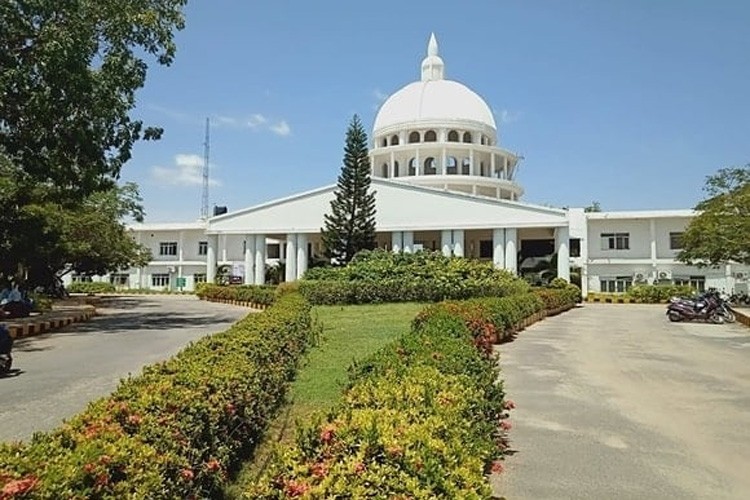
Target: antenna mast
x=204 y=194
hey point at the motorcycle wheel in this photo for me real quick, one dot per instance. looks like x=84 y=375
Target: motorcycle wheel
x=716 y=318
x=674 y=316
x=728 y=316
x=5 y=364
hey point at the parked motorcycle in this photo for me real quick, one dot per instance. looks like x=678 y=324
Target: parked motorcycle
x=709 y=306
x=6 y=346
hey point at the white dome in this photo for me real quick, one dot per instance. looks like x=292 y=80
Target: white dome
x=433 y=100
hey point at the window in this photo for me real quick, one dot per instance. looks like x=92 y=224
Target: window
x=202 y=248
x=696 y=282
x=119 y=279
x=273 y=251
x=452 y=136
x=615 y=241
x=466 y=167
x=412 y=167
x=485 y=249
x=81 y=278
x=619 y=284
x=575 y=247
x=430 y=167
x=394 y=140
x=384 y=142
x=160 y=280
x=199 y=278
x=396 y=173
x=384 y=170
x=430 y=136
x=467 y=137
x=414 y=137
x=452 y=166
x=168 y=248
x=675 y=241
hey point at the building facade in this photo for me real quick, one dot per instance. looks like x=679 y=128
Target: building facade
x=442 y=182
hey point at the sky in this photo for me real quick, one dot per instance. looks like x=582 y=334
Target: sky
x=631 y=103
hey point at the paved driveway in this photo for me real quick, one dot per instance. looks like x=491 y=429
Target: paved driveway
x=616 y=402
x=62 y=371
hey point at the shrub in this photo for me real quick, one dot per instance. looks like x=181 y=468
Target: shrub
x=256 y=294
x=91 y=287
x=180 y=427
x=659 y=293
x=380 y=276
x=420 y=418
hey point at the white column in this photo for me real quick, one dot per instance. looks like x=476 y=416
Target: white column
x=652 y=234
x=301 y=255
x=492 y=165
x=211 y=258
x=458 y=242
x=505 y=167
x=498 y=248
x=181 y=243
x=260 y=259
x=223 y=245
x=444 y=163
x=392 y=166
x=397 y=241
x=249 y=259
x=511 y=259
x=446 y=242
x=408 y=241
x=471 y=163
x=562 y=237
x=418 y=166
x=291 y=257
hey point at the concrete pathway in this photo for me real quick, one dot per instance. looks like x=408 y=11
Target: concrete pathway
x=616 y=402
x=60 y=372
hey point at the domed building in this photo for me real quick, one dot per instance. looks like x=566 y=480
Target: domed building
x=442 y=182
x=439 y=133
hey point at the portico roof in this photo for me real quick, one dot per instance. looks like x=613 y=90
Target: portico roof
x=399 y=207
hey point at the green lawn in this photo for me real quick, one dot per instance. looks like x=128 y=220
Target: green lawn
x=349 y=333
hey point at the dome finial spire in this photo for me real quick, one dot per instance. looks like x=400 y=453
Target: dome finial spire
x=432 y=47
x=432 y=66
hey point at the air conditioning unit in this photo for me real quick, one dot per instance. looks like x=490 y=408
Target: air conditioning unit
x=664 y=274
x=639 y=276
x=740 y=276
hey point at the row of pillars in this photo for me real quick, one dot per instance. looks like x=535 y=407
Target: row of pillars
x=504 y=253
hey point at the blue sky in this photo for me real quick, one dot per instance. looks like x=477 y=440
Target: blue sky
x=627 y=102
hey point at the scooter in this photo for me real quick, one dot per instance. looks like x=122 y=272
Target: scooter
x=706 y=307
x=6 y=346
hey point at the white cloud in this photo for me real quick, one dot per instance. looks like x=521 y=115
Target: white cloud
x=186 y=171
x=509 y=116
x=281 y=128
x=256 y=120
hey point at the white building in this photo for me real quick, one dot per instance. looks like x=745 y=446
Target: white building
x=442 y=182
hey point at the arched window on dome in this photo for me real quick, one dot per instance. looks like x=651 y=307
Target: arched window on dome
x=396 y=173
x=413 y=137
x=430 y=166
x=384 y=142
x=452 y=136
x=466 y=167
x=467 y=137
x=430 y=136
x=412 y=167
x=394 y=140
x=384 y=170
x=452 y=164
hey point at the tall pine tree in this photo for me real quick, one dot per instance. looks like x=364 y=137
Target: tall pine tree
x=350 y=227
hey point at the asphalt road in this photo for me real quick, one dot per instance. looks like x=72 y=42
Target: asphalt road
x=60 y=372
x=616 y=402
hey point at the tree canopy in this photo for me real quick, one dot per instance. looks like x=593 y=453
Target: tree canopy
x=350 y=227
x=69 y=73
x=720 y=233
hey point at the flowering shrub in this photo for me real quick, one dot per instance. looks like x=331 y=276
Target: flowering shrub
x=256 y=294
x=422 y=418
x=177 y=429
x=91 y=287
x=380 y=276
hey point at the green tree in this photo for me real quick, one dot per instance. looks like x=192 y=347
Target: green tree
x=350 y=227
x=69 y=71
x=720 y=233
x=594 y=207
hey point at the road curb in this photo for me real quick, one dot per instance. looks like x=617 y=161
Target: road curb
x=48 y=322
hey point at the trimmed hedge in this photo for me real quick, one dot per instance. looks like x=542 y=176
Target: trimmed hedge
x=256 y=294
x=178 y=429
x=379 y=276
x=653 y=294
x=91 y=287
x=422 y=418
